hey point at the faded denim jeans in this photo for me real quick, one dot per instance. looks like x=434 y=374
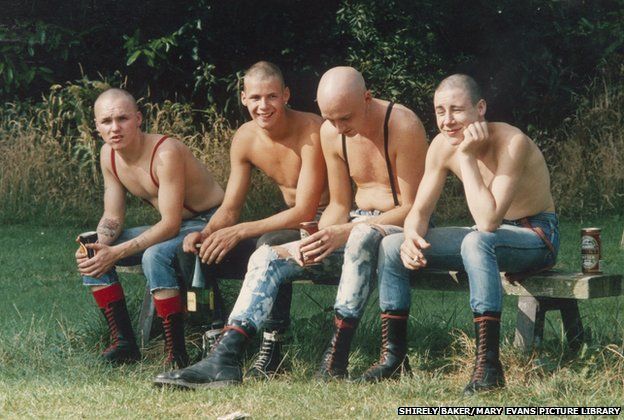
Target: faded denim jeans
x=483 y=255
x=157 y=260
x=356 y=261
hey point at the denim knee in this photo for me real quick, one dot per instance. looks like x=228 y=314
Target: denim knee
x=394 y=287
x=363 y=236
x=477 y=245
x=158 y=268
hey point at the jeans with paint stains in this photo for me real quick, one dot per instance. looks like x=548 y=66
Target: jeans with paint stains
x=357 y=261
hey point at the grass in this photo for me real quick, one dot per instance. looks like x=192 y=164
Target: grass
x=51 y=333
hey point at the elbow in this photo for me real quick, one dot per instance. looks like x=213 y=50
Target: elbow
x=171 y=229
x=306 y=214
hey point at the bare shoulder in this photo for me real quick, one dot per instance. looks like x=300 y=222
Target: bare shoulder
x=170 y=149
x=307 y=120
x=405 y=123
x=440 y=150
x=509 y=137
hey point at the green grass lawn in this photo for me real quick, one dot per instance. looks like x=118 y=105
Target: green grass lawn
x=51 y=333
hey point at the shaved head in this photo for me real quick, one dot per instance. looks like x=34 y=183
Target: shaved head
x=263 y=70
x=115 y=93
x=463 y=82
x=340 y=82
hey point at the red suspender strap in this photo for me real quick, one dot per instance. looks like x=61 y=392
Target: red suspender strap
x=163 y=138
x=113 y=165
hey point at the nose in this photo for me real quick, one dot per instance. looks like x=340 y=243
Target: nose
x=263 y=103
x=115 y=125
x=448 y=118
x=340 y=126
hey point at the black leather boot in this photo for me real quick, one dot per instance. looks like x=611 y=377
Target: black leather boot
x=123 y=347
x=269 y=358
x=488 y=371
x=336 y=357
x=175 y=347
x=393 y=360
x=220 y=368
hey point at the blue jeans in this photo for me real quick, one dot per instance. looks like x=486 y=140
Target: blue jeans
x=266 y=271
x=157 y=260
x=483 y=255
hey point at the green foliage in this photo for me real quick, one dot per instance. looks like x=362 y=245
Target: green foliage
x=25 y=51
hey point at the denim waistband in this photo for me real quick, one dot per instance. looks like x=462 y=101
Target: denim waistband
x=545 y=216
x=359 y=215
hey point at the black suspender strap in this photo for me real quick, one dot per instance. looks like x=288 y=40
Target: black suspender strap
x=388 y=164
x=344 y=153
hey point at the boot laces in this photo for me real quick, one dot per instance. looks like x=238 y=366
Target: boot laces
x=269 y=340
x=112 y=327
x=333 y=351
x=481 y=359
x=168 y=339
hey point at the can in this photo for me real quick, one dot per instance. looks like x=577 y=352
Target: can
x=87 y=238
x=306 y=229
x=591 y=254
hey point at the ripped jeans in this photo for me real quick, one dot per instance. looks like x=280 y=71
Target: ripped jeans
x=357 y=261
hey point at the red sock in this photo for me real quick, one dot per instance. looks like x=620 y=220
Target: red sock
x=169 y=306
x=108 y=295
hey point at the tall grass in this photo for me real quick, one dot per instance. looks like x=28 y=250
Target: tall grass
x=49 y=154
x=49 y=168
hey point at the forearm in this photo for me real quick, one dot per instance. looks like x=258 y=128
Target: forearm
x=394 y=217
x=222 y=218
x=287 y=219
x=334 y=215
x=479 y=198
x=108 y=229
x=160 y=232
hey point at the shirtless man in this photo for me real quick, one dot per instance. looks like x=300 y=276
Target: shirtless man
x=387 y=179
x=285 y=145
x=163 y=172
x=507 y=188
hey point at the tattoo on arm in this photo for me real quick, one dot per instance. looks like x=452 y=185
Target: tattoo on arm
x=108 y=228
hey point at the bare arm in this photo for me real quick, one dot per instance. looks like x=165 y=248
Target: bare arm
x=417 y=221
x=110 y=225
x=488 y=205
x=310 y=186
x=169 y=167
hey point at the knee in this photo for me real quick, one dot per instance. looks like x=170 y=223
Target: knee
x=262 y=257
x=390 y=249
x=364 y=236
x=153 y=256
x=477 y=244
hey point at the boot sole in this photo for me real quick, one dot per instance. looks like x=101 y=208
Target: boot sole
x=191 y=385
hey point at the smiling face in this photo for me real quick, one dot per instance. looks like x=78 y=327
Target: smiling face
x=455 y=111
x=117 y=120
x=265 y=99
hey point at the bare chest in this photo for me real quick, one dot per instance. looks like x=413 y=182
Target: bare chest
x=282 y=163
x=137 y=179
x=367 y=162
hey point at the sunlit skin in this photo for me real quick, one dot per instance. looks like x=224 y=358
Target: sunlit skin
x=119 y=124
x=282 y=143
x=265 y=99
x=503 y=172
x=349 y=109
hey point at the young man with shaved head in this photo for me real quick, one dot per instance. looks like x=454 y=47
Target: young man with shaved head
x=163 y=172
x=507 y=188
x=285 y=145
x=381 y=148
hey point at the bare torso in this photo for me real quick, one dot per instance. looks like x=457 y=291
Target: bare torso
x=280 y=159
x=533 y=190
x=367 y=162
x=201 y=191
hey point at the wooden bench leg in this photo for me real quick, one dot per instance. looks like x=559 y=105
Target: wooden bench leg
x=146 y=317
x=529 y=323
x=572 y=323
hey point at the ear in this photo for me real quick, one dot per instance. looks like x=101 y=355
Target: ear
x=368 y=97
x=481 y=108
x=286 y=95
x=139 y=118
x=243 y=98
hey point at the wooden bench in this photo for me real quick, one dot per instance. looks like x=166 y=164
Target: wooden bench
x=538 y=294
